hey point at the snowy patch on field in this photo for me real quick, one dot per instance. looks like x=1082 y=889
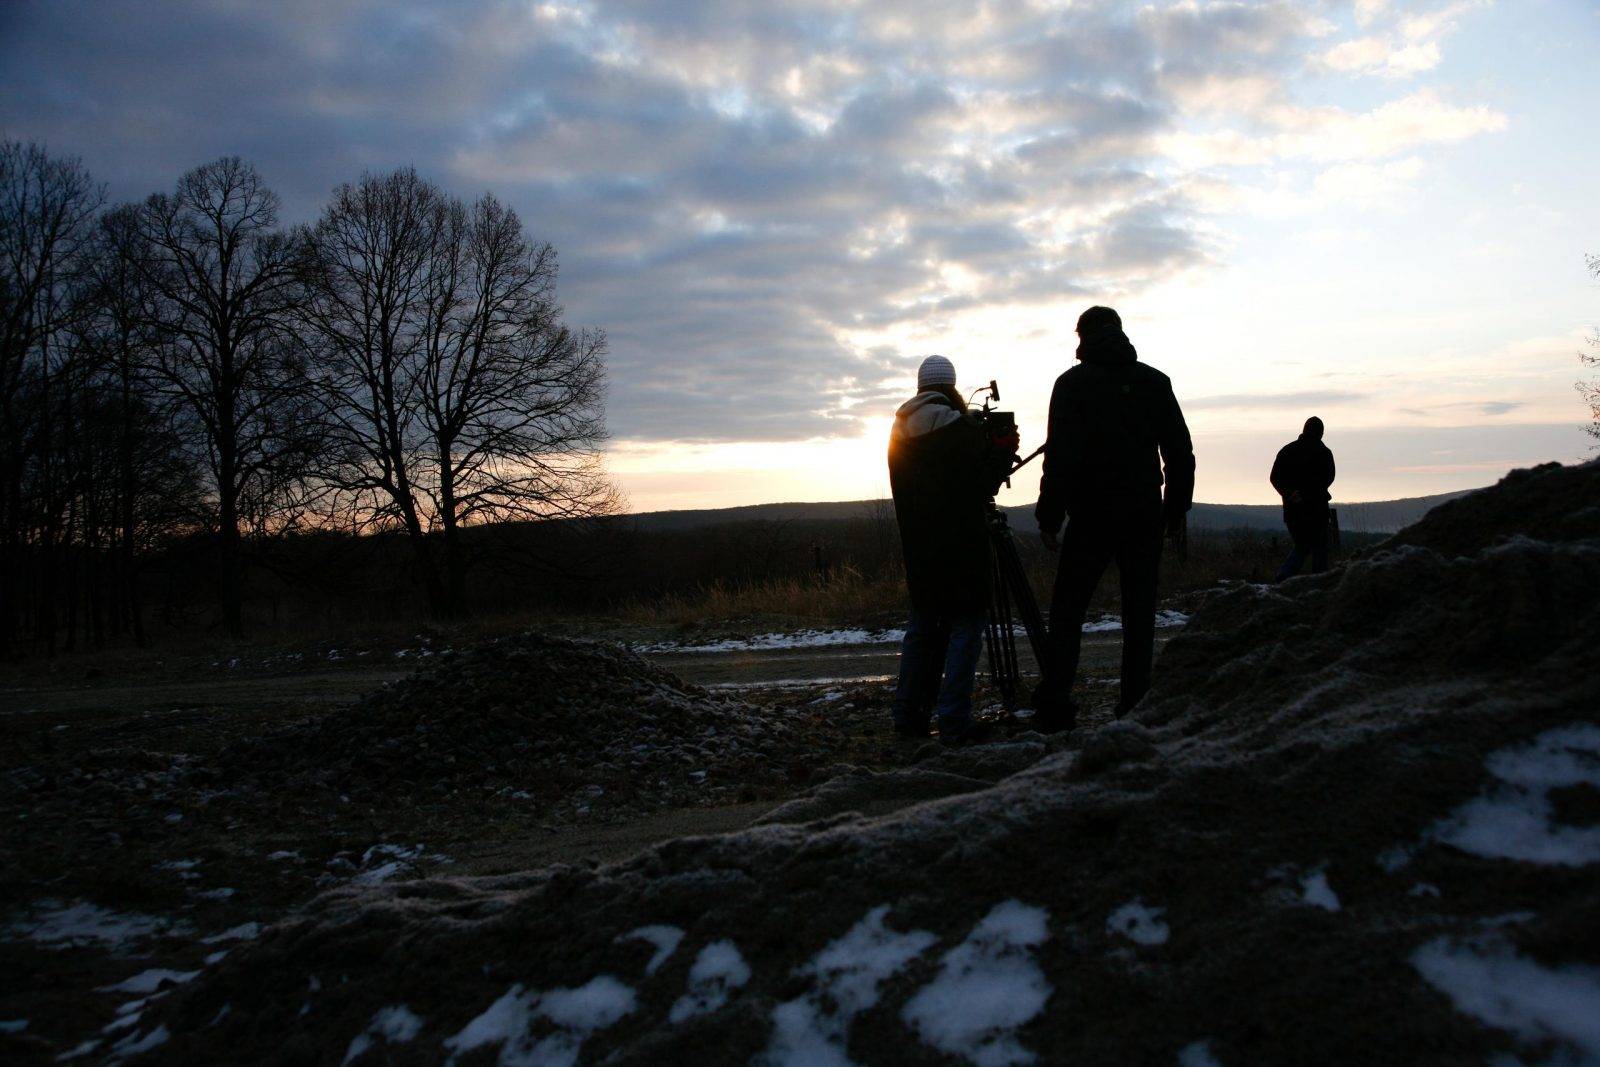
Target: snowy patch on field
x=1139 y=924
x=134 y=1044
x=769 y=642
x=150 y=981
x=13 y=1026
x=72 y=925
x=717 y=972
x=576 y=1013
x=1315 y=890
x=1197 y=1054
x=1515 y=819
x=987 y=987
x=243 y=932
x=1109 y=624
x=665 y=939
x=395 y=1025
x=1501 y=989
x=811 y=1031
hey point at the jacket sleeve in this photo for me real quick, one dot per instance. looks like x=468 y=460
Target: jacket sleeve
x=1177 y=457
x=1051 y=511
x=1280 y=473
x=1329 y=473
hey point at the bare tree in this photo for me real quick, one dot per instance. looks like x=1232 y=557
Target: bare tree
x=224 y=282
x=373 y=250
x=1590 y=390
x=512 y=399
x=47 y=209
x=455 y=393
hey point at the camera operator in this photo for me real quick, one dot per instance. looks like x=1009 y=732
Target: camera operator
x=943 y=468
x=1114 y=424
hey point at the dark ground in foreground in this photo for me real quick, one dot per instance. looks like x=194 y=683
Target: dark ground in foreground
x=121 y=856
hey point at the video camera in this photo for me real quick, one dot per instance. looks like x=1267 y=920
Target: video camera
x=998 y=424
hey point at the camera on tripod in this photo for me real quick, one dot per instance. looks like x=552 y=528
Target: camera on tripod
x=996 y=423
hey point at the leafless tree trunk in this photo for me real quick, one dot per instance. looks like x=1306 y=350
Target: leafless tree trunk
x=1590 y=390
x=224 y=282
x=455 y=393
x=47 y=208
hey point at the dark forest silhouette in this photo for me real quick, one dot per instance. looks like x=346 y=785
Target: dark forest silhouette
x=188 y=372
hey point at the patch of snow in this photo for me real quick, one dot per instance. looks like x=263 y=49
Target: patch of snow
x=216 y=957
x=1110 y=624
x=811 y=1031
x=802 y=683
x=13 y=1026
x=58 y=925
x=176 y=816
x=133 y=1044
x=379 y=874
x=665 y=939
x=1394 y=859
x=716 y=973
x=399 y=852
x=177 y=865
x=283 y=855
x=215 y=894
x=987 y=987
x=1515 y=819
x=1139 y=924
x=78 y=1051
x=243 y=932
x=1499 y=988
x=1197 y=1054
x=149 y=981
x=1423 y=889
x=222 y=1013
x=1315 y=890
x=396 y=1025
x=575 y=1013
x=798 y=639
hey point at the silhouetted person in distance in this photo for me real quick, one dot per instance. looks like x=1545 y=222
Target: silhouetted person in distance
x=943 y=468
x=1302 y=474
x=1114 y=426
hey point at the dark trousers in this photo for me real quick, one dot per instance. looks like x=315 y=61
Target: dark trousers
x=1130 y=533
x=938 y=665
x=1308 y=526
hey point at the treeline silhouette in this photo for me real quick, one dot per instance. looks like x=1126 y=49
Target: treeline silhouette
x=191 y=392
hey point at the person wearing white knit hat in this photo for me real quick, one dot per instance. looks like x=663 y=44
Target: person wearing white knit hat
x=944 y=469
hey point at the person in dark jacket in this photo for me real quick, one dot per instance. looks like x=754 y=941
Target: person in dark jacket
x=943 y=470
x=1115 y=426
x=1302 y=474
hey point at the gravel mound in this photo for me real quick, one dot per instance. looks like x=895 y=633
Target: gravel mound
x=581 y=723
x=1550 y=502
x=1356 y=821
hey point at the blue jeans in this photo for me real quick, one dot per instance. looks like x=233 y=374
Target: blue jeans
x=938 y=645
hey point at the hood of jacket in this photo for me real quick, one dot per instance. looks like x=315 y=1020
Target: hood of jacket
x=923 y=414
x=1108 y=346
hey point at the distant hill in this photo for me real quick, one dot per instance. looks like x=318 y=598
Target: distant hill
x=1377 y=516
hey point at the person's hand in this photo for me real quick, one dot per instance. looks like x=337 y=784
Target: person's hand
x=1052 y=543
x=1011 y=442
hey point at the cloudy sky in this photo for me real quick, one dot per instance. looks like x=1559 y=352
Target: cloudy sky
x=1370 y=210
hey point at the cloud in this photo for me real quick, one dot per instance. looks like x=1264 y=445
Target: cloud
x=753 y=197
x=1308 y=398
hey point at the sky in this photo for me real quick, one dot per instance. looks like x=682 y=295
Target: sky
x=1372 y=211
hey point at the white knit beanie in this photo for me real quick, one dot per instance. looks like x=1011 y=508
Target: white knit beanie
x=935 y=370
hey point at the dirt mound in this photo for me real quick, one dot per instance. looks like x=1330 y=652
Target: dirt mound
x=581 y=723
x=1358 y=820
x=1549 y=502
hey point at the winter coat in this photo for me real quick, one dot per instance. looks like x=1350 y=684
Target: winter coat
x=1304 y=465
x=1114 y=424
x=943 y=472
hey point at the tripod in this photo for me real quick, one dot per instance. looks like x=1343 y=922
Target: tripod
x=1010 y=598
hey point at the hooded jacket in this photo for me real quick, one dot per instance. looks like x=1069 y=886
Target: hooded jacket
x=942 y=471
x=1114 y=425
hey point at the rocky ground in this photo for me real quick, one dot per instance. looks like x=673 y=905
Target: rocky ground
x=1357 y=820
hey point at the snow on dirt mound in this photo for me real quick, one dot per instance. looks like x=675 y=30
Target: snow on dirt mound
x=1357 y=821
x=555 y=720
x=1549 y=502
